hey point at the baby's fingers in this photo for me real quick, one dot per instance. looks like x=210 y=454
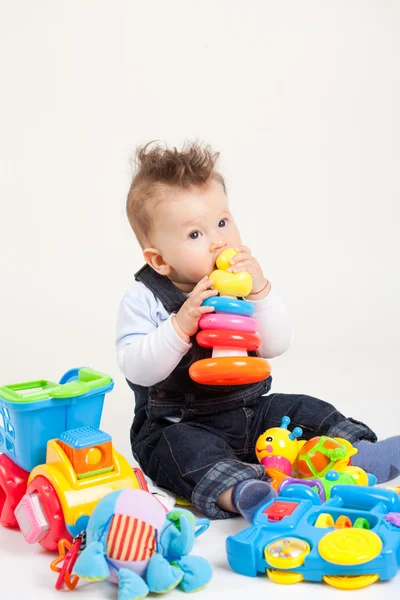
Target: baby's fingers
x=206 y=309
x=240 y=266
x=203 y=284
x=243 y=249
x=237 y=258
x=203 y=295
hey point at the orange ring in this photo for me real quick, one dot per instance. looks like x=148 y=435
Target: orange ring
x=209 y=338
x=343 y=522
x=230 y=370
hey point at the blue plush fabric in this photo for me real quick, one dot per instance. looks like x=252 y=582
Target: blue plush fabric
x=92 y=564
x=167 y=568
x=161 y=576
x=197 y=573
x=131 y=586
x=177 y=536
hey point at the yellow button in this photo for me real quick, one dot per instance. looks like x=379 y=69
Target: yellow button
x=93 y=456
x=286 y=553
x=350 y=546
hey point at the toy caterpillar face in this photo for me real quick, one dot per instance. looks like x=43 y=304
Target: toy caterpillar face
x=276 y=442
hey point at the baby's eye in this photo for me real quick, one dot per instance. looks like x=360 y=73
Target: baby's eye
x=194 y=235
x=223 y=223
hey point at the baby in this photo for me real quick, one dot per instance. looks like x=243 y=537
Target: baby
x=199 y=440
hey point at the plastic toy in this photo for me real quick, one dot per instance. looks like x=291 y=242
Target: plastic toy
x=54 y=500
x=230 y=331
x=350 y=541
x=132 y=540
x=320 y=462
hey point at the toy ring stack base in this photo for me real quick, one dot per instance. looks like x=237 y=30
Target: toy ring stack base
x=230 y=370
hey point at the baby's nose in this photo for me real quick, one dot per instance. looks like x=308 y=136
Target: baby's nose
x=217 y=245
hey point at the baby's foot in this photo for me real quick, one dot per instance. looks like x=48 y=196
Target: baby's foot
x=249 y=495
x=382 y=459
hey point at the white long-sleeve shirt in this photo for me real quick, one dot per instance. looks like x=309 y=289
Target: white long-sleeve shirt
x=148 y=347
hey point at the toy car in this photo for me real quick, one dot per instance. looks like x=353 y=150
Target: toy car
x=350 y=541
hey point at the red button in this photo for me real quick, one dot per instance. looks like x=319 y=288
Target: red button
x=279 y=509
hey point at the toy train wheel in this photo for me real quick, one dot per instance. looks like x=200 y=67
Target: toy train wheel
x=51 y=506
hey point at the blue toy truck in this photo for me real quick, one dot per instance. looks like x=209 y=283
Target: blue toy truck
x=350 y=541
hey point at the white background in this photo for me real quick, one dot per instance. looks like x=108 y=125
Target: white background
x=301 y=99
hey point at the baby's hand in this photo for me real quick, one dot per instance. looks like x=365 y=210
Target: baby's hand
x=244 y=261
x=186 y=320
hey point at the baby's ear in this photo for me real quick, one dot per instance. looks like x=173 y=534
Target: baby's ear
x=153 y=258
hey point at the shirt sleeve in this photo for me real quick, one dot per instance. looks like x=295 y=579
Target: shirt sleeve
x=147 y=350
x=274 y=326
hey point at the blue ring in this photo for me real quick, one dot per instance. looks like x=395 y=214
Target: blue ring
x=223 y=304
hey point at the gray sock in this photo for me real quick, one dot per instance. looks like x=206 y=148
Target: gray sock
x=249 y=495
x=382 y=459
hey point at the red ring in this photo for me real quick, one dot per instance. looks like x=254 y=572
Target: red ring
x=209 y=338
x=230 y=370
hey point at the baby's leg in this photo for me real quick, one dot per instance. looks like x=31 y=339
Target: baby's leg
x=317 y=417
x=382 y=458
x=197 y=463
x=314 y=416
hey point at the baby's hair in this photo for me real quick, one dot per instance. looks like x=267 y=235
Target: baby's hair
x=158 y=168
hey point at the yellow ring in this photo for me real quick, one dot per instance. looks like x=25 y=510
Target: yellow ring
x=324 y=520
x=350 y=546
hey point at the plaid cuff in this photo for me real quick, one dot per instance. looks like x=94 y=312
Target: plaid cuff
x=219 y=478
x=352 y=431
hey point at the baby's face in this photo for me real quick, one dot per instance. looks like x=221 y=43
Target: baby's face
x=190 y=229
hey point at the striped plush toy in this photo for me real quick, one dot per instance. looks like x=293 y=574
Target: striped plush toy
x=135 y=542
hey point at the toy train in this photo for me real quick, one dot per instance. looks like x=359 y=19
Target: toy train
x=56 y=464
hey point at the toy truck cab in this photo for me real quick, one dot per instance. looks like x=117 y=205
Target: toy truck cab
x=350 y=541
x=81 y=468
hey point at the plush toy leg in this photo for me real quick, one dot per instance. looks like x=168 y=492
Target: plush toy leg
x=131 y=586
x=197 y=572
x=161 y=576
x=91 y=564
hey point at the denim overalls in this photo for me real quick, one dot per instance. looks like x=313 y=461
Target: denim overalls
x=199 y=440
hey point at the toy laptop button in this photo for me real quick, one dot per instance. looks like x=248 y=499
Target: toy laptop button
x=279 y=509
x=286 y=553
x=350 y=546
x=332 y=476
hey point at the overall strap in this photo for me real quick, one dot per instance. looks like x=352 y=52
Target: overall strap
x=171 y=298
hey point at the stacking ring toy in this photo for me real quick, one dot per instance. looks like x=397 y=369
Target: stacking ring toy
x=224 y=304
x=230 y=331
x=228 y=339
x=221 y=321
x=229 y=370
